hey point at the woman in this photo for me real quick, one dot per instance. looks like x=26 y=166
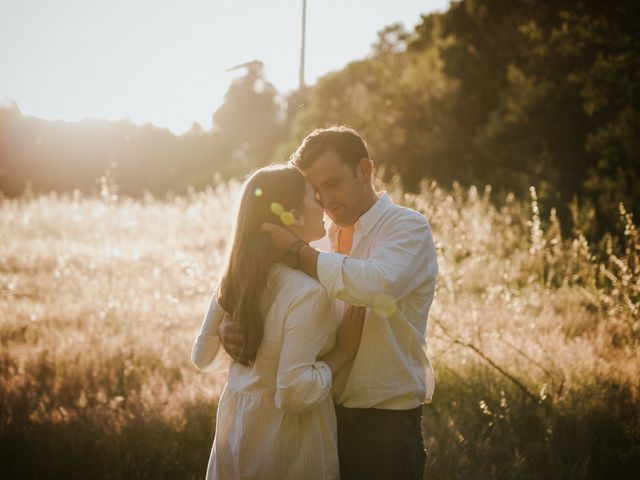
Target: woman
x=275 y=417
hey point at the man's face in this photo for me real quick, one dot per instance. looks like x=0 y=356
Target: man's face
x=339 y=189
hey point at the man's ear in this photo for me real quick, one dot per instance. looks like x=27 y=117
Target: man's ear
x=365 y=170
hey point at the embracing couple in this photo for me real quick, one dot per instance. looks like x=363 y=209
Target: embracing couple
x=330 y=370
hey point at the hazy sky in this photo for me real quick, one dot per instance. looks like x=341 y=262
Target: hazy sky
x=165 y=61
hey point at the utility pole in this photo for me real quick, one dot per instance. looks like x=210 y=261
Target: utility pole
x=304 y=28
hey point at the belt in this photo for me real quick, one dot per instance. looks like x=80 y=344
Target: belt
x=381 y=412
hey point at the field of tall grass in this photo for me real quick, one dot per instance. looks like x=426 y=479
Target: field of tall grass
x=533 y=335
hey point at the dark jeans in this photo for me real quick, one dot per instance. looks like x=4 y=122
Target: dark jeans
x=380 y=444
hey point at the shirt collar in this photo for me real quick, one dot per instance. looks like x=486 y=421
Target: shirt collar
x=366 y=221
x=369 y=218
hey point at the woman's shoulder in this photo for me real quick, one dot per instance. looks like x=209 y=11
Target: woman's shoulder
x=295 y=283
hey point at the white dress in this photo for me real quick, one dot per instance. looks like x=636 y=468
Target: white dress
x=276 y=418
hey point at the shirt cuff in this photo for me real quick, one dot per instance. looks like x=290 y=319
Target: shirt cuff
x=325 y=373
x=330 y=273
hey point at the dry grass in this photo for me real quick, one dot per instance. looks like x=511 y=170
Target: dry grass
x=534 y=338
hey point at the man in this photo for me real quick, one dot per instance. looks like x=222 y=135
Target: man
x=384 y=258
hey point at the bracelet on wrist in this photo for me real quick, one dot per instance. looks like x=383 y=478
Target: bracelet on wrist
x=291 y=256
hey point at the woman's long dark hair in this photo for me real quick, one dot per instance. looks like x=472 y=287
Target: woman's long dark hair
x=265 y=195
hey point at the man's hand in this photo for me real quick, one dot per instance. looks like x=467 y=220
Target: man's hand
x=282 y=238
x=231 y=338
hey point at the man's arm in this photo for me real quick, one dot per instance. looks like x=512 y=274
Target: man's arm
x=283 y=240
x=231 y=338
x=308 y=259
x=403 y=260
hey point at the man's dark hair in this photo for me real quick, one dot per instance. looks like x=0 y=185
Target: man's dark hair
x=344 y=141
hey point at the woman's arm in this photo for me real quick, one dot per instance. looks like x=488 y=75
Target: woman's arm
x=206 y=354
x=303 y=381
x=347 y=339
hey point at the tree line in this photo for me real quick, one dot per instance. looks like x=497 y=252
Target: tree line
x=509 y=93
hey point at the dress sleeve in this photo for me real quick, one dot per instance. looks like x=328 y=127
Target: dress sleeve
x=206 y=354
x=302 y=381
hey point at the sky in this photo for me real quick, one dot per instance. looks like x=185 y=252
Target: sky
x=166 y=61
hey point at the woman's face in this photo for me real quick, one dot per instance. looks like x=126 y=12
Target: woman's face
x=310 y=222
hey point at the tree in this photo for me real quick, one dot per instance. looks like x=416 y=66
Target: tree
x=249 y=123
x=510 y=94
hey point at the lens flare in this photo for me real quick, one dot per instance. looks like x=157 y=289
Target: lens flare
x=385 y=305
x=276 y=208
x=287 y=218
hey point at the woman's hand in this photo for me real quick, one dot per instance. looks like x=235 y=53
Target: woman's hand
x=350 y=330
x=347 y=339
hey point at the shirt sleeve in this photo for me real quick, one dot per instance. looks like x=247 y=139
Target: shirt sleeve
x=206 y=353
x=302 y=380
x=403 y=260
